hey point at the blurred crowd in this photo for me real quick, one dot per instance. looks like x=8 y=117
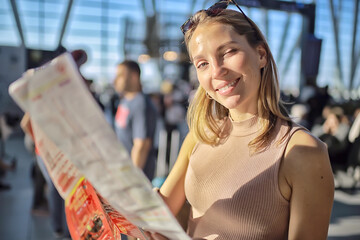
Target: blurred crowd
x=337 y=124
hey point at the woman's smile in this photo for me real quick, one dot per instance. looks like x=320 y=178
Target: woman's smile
x=228 y=88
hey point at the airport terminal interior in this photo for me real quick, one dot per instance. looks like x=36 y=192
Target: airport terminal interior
x=315 y=43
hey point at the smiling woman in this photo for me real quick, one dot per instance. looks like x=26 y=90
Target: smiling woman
x=244 y=161
x=234 y=52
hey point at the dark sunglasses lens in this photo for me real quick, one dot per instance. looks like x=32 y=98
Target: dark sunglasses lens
x=212 y=11
x=186 y=26
x=217 y=8
x=220 y=5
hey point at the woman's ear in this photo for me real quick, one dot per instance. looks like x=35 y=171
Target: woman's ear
x=262 y=55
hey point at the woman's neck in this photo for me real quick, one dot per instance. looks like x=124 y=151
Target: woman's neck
x=238 y=116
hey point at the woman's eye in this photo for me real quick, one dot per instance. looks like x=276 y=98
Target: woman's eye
x=201 y=65
x=230 y=51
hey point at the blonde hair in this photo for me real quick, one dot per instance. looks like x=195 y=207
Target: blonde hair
x=204 y=113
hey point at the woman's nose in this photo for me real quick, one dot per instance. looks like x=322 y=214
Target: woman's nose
x=218 y=70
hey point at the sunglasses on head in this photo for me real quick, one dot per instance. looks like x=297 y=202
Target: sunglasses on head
x=212 y=11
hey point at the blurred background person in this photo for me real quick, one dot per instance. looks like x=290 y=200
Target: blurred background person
x=334 y=132
x=135 y=118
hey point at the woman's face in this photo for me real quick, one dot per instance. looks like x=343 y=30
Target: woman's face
x=228 y=68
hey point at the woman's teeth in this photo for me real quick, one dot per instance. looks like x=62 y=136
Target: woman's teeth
x=229 y=85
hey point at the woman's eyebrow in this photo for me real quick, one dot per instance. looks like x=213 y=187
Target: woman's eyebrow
x=196 y=57
x=219 y=49
x=224 y=45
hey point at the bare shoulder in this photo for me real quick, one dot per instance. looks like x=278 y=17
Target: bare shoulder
x=302 y=144
x=308 y=185
x=189 y=143
x=306 y=157
x=305 y=138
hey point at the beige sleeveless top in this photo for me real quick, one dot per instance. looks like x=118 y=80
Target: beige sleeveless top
x=234 y=194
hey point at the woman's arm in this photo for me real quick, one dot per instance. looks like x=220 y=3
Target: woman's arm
x=172 y=191
x=308 y=173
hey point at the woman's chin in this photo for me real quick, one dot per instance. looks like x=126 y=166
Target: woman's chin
x=231 y=103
